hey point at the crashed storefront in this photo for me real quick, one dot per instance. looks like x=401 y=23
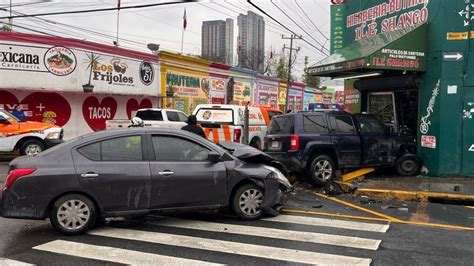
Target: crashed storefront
x=408 y=62
x=75 y=84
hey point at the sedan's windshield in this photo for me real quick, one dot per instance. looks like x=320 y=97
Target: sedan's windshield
x=7 y=115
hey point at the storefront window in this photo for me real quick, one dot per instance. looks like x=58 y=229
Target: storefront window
x=382 y=106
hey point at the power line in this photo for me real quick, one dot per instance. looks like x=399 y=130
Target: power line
x=266 y=14
x=322 y=45
x=100 y=9
x=310 y=20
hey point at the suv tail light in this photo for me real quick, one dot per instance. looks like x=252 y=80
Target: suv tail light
x=237 y=134
x=15 y=174
x=295 y=142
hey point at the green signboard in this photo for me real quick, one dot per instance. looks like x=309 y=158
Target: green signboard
x=338 y=21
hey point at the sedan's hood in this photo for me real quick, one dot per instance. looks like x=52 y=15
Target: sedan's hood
x=246 y=153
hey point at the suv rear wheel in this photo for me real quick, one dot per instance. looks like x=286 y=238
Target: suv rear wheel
x=322 y=169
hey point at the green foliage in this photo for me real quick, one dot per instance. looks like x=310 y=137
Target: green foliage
x=310 y=81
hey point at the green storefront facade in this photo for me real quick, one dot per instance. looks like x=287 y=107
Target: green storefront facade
x=411 y=62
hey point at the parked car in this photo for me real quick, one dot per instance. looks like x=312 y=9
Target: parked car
x=225 y=122
x=30 y=138
x=153 y=117
x=317 y=143
x=138 y=171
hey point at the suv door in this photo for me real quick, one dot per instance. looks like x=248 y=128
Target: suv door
x=377 y=144
x=345 y=139
x=182 y=176
x=115 y=171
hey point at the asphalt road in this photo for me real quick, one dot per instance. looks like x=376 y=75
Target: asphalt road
x=328 y=233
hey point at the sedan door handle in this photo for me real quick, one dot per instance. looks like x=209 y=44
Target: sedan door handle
x=166 y=173
x=89 y=175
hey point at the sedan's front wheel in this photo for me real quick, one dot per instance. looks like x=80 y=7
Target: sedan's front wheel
x=247 y=202
x=73 y=214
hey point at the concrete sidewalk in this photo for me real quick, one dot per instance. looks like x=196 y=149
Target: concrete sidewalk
x=417 y=188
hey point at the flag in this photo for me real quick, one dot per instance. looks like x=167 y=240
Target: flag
x=271 y=53
x=185 y=22
x=118 y=4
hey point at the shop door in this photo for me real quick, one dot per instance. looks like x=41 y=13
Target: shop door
x=381 y=104
x=468 y=135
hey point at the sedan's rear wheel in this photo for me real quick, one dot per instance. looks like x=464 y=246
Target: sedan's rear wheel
x=73 y=214
x=247 y=202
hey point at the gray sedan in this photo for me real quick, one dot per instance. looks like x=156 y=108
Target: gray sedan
x=138 y=171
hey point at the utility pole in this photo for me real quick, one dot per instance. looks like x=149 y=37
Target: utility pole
x=291 y=38
x=10 y=19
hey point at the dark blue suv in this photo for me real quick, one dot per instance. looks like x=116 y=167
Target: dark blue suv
x=317 y=143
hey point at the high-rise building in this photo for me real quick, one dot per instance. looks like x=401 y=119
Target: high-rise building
x=251 y=44
x=217 y=40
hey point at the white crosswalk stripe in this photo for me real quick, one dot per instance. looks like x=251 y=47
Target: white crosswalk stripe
x=327 y=239
x=360 y=226
x=8 y=262
x=283 y=251
x=114 y=254
x=230 y=247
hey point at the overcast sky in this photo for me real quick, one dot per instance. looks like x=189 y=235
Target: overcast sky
x=163 y=25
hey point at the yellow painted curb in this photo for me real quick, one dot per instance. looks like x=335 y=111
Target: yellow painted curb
x=410 y=195
x=384 y=217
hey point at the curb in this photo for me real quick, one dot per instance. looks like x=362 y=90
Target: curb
x=403 y=195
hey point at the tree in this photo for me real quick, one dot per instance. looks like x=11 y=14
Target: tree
x=253 y=59
x=311 y=81
x=282 y=68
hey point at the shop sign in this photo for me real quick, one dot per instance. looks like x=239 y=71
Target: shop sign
x=281 y=95
x=45 y=107
x=60 y=61
x=183 y=85
x=352 y=98
x=398 y=59
x=147 y=73
x=388 y=16
x=96 y=112
x=66 y=69
x=338 y=17
x=268 y=95
x=217 y=94
x=428 y=141
x=241 y=91
x=318 y=98
x=21 y=58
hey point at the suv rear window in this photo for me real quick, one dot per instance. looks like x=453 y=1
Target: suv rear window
x=314 y=124
x=282 y=125
x=150 y=115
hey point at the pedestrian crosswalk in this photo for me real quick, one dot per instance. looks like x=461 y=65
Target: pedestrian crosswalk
x=276 y=240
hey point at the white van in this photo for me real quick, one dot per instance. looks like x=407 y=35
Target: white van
x=225 y=122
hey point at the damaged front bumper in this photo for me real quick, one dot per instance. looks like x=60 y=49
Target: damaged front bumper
x=276 y=196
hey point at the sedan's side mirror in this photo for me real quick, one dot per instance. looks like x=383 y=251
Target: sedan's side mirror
x=4 y=121
x=213 y=157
